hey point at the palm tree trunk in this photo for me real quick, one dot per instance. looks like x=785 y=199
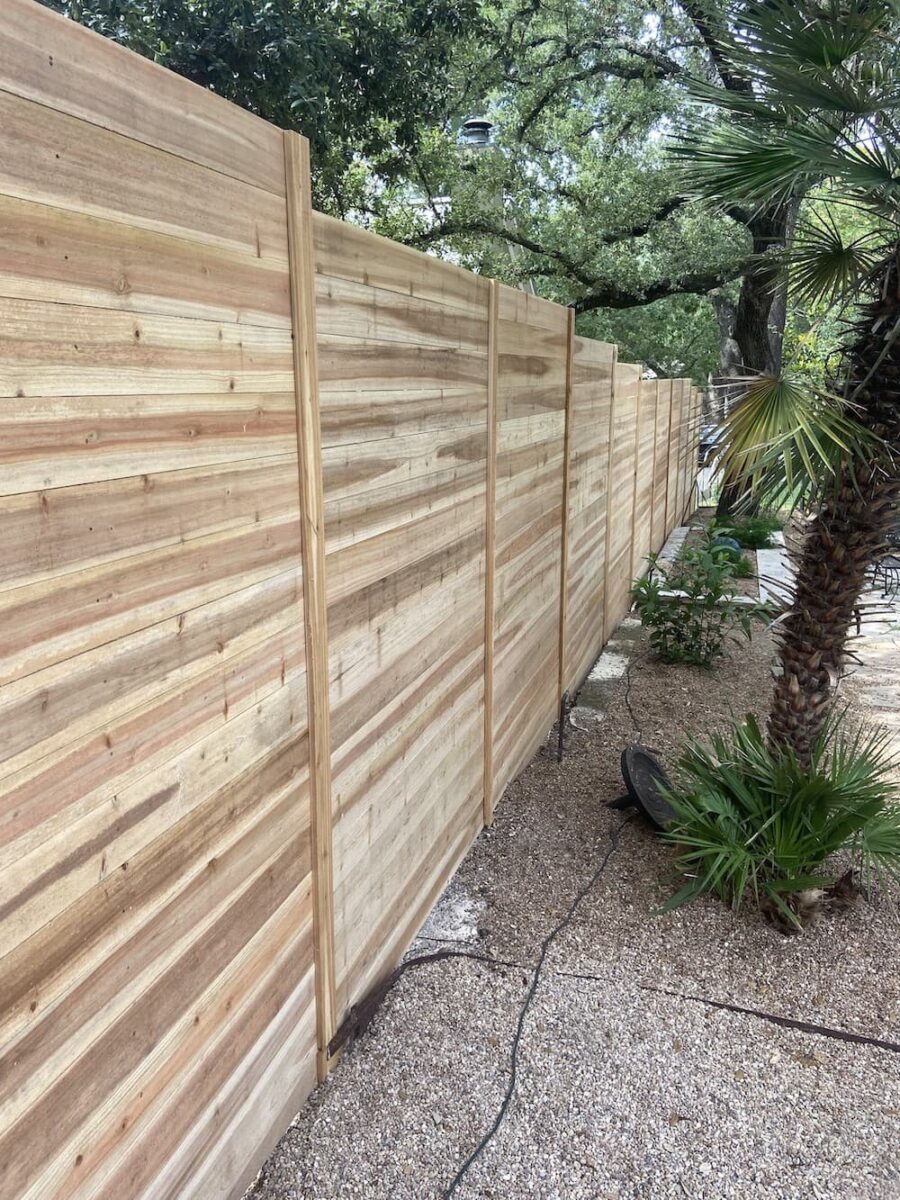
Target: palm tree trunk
x=847 y=535
x=841 y=544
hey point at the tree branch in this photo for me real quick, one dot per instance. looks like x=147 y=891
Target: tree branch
x=612 y=296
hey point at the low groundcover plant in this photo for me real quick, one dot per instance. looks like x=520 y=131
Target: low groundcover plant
x=755 y=828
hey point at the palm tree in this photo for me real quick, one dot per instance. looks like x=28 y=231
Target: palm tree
x=821 y=112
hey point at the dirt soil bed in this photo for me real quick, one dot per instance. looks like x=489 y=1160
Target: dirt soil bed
x=631 y=1081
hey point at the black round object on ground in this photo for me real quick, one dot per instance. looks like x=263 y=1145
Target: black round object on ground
x=643 y=774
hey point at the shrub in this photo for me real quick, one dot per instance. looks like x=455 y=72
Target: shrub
x=696 y=625
x=753 y=533
x=754 y=827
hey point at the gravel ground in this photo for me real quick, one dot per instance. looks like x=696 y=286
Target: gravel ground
x=630 y=1082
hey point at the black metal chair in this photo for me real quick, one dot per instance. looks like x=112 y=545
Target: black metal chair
x=887 y=568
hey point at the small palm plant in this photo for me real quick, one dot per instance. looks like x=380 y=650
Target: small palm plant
x=759 y=827
x=821 y=106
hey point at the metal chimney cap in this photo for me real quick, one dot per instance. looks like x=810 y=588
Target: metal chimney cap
x=476 y=131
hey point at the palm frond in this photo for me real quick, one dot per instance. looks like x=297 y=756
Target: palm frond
x=824 y=267
x=759 y=164
x=785 y=439
x=825 y=36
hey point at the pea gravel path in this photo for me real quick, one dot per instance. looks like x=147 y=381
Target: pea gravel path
x=631 y=1082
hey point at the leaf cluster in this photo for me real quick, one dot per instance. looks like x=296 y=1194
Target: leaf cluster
x=692 y=611
x=753 y=826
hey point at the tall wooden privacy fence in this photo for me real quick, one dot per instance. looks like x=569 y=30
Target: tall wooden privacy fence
x=303 y=535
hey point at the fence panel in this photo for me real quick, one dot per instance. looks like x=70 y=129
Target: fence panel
x=403 y=388
x=156 y=1003
x=592 y=371
x=531 y=403
x=672 y=480
x=658 y=529
x=643 y=489
x=301 y=532
x=623 y=466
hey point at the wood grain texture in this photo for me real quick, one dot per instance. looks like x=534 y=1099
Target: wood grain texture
x=312 y=520
x=658 y=529
x=404 y=382
x=567 y=462
x=531 y=413
x=672 y=473
x=644 y=472
x=592 y=371
x=490 y=549
x=301 y=534
x=157 y=1012
x=626 y=391
x=60 y=64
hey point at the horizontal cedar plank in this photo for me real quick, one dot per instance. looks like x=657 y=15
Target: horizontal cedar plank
x=378 y=750
x=450 y=797
x=49 y=253
x=351 y=417
x=372 y=824
x=593 y=355
x=49 y=533
x=64 y=350
x=353 y=469
x=395 y=550
x=347 y=252
x=363 y=515
x=348 y=309
x=39 y=802
x=347 y=364
x=519 y=341
x=524 y=308
x=160 y=1023
x=59 y=63
x=408 y=642
x=260 y=1101
x=163 y=899
x=65 y=703
x=103 y=438
x=58 y=870
x=195 y=1080
x=60 y=618
x=403 y=918
x=56 y=159
x=524 y=725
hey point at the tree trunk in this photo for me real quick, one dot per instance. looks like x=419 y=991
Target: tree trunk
x=846 y=536
x=753 y=343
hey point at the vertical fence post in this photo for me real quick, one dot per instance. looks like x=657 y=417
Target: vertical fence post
x=490 y=530
x=306 y=390
x=564 y=551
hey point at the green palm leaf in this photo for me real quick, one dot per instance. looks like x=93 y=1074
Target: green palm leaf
x=785 y=439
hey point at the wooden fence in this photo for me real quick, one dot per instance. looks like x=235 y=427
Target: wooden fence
x=303 y=535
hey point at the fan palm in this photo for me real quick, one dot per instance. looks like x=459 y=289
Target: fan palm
x=821 y=109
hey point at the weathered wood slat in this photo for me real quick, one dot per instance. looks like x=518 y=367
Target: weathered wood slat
x=56 y=159
x=57 y=63
x=302 y=533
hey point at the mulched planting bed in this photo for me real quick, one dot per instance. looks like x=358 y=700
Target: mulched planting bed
x=631 y=1082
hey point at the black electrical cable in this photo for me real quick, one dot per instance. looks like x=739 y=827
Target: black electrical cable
x=629 y=680
x=523 y=1011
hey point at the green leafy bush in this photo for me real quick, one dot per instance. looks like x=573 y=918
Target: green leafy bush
x=754 y=827
x=753 y=533
x=696 y=623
